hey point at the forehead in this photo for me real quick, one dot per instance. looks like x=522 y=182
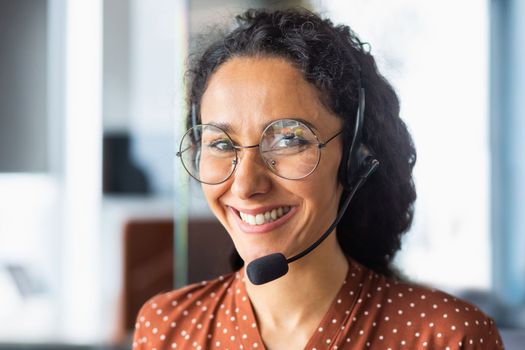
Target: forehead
x=249 y=93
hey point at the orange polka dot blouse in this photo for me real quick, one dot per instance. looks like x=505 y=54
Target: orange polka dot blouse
x=370 y=311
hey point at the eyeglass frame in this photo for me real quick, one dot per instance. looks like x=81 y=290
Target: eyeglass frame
x=238 y=148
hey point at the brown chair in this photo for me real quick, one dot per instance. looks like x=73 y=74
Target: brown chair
x=149 y=262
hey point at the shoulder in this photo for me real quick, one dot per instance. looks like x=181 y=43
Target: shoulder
x=434 y=317
x=187 y=298
x=185 y=309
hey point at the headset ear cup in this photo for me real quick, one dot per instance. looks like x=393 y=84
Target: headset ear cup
x=356 y=164
x=359 y=159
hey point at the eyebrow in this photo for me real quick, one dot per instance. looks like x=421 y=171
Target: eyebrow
x=224 y=126
x=229 y=129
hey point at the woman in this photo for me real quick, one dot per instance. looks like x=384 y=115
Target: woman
x=289 y=118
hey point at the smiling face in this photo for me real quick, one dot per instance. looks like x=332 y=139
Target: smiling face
x=262 y=212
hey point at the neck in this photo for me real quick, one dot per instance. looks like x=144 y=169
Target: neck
x=305 y=292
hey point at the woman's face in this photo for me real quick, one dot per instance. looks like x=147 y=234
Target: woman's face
x=245 y=95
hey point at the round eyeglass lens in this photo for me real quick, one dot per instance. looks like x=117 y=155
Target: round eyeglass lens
x=208 y=154
x=290 y=149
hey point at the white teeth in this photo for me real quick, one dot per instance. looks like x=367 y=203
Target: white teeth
x=259 y=219
x=264 y=218
x=247 y=218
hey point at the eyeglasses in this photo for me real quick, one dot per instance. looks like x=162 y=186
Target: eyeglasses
x=288 y=147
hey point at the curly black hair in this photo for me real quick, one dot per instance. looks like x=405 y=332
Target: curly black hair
x=336 y=62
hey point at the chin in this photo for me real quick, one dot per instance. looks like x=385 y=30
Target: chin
x=253 y=255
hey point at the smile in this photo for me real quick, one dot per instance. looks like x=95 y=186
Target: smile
x=264 y=218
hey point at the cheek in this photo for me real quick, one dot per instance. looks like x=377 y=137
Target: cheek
x=324 y=184
x=318 y=194
x=213 y=193
x=326 y=174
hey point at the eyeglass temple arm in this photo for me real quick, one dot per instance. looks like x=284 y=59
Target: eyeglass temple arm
x=323 y=144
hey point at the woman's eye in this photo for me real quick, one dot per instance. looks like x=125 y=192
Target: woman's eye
x=290 y=141
x=221 y=145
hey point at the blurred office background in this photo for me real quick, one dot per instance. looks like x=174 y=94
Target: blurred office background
x=97 y=215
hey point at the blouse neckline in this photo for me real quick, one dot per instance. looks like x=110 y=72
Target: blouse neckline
x=333 y=324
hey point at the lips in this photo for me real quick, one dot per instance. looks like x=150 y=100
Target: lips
x=262 y=220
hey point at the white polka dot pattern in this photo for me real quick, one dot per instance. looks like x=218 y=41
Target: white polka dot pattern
x=369 y=312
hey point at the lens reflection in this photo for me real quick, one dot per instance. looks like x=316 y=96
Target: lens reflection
x=290 y=149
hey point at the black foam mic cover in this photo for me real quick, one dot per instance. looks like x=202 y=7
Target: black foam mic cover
x=267 y=268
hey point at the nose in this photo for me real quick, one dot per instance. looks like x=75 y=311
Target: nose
x=251 y=176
